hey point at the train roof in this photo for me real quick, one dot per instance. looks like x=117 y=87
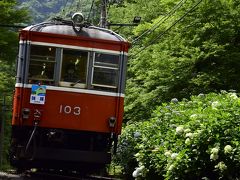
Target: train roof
x=88 y=31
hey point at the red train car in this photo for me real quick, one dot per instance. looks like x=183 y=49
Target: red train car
x=69 y=94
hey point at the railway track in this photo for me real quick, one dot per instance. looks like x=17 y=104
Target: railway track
x=51 y=176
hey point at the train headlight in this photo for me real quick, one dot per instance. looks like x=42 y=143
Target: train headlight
x=78 y=18
x=112 y=122
x=25 y=113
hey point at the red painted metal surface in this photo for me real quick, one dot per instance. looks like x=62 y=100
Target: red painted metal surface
x=74 y=41
x=94 y=114
x=95 y=110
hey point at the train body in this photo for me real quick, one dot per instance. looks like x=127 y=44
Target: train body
x=69 y=95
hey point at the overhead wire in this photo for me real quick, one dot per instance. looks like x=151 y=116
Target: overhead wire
x=164 y=32
x=161 y=21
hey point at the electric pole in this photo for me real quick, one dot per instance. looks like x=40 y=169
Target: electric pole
x=103 y=18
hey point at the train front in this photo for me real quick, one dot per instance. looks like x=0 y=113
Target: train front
x=68 y=100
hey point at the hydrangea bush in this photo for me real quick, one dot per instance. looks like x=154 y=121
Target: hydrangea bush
x=190 y=139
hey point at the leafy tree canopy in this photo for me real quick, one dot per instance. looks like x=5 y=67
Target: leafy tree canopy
x=198 y=54
x=41 y=10
x=10 y=15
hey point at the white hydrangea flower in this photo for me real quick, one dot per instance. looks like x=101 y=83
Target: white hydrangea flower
x=189 y=135
x=214 y=150
x=215 y=104
x=179 y=130
x=221 y=166
x=137 y=134
x=187 y=130
x=195 y=150
x=201 y=95
x=233 y=96
x=138 y=172
x=193 y=116
x=174 y=100
x=137 y=155
x=156 y=149
x=134 y=174
x=141 y=168
x=228 y=149
x=187 y=141
x=171 y=167
x=174 y=155
x=214 y=157
x=168 y=153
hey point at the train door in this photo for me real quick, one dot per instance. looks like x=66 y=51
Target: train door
x=20 y=81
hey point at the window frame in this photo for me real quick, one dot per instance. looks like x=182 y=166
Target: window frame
x=73 y=84
x=117 y=68
x=90 y=69
x=28 y=62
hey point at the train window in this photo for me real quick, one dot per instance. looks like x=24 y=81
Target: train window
x=105 y=72
x=106 y=60
x=41 y=66
x=74 y=68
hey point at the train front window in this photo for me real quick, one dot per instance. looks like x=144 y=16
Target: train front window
x=74 y=68
x=41 y=66
x=105 y=72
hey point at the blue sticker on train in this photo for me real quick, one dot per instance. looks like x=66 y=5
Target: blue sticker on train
x=38 y=94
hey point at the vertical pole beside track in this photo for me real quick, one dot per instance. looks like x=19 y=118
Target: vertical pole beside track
x=103 y=18
x=2 y=114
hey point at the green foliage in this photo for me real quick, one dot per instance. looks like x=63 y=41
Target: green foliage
x=125 y=11
x=7 y=78
x=6 y=88
x=41 y=10
x=6 y=116
x=195 y=139
x=7 y=81
x=200 y=54
x=9 y=15
x=8 y=38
